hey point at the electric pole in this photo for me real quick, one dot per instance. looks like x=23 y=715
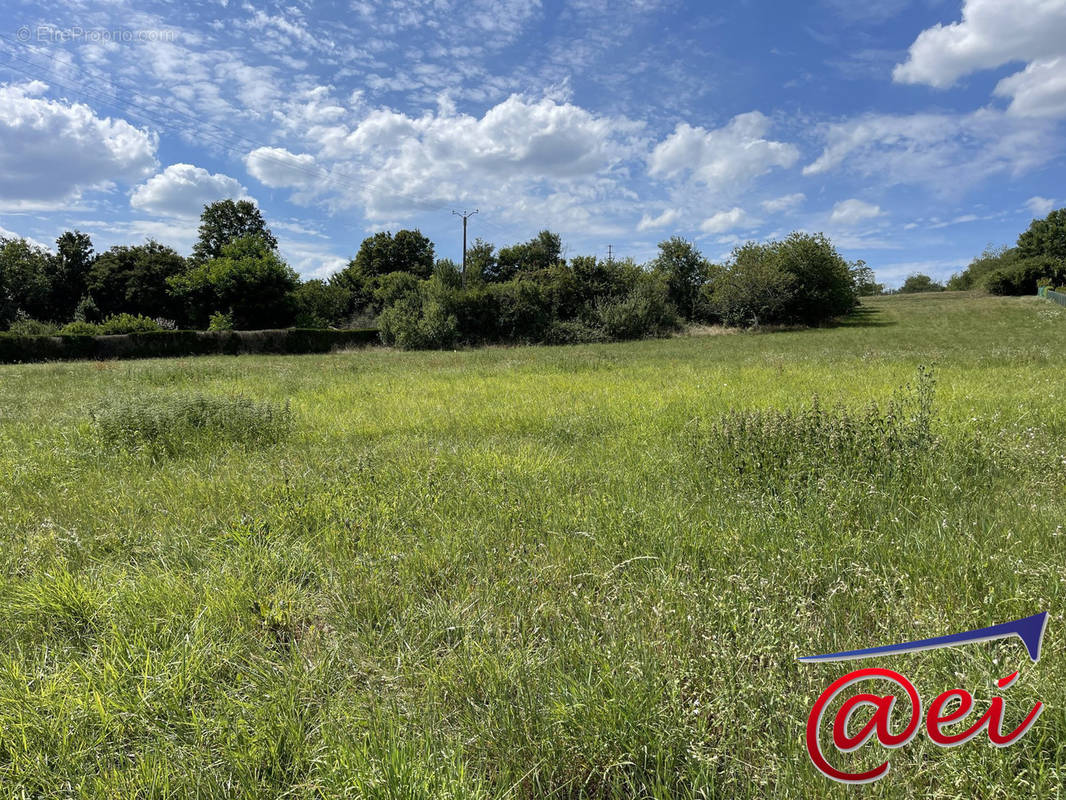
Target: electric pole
x=465 y=216
x=610 y=254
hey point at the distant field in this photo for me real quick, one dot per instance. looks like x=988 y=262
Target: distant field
x=527 y=572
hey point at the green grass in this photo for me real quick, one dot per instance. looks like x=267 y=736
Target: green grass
x=528 y=572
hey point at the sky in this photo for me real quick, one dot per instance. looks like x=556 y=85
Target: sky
x=913 y=132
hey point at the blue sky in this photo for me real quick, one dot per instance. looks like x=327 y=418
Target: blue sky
x=913 y=132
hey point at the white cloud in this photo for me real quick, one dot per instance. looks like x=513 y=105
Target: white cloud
x=1038 y=91
x=51 y=152
x=276 y=167
x=993 y=33
x=725 y=221
x=1040 y=206
x=182 y=190
x=650 y=223
x=722 y=158
x=521 y=156
x=948 y=152
x=788 y=202
x=854 y=211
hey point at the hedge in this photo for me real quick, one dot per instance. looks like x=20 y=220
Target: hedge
x=168 y=344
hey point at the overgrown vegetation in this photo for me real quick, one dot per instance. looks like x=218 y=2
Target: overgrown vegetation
x=524 y=293
x=1039 y=258
x=508 y=573
x=170 y=424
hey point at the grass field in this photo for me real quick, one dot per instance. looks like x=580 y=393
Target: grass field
x=529 y=572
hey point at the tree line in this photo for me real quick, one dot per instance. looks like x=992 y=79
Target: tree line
x=526 y=292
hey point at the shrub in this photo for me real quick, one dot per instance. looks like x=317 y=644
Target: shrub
x=220 y=322
x=78 y=328
x=168 y=425
x=1023 y=277
x=645 y=311
x=31 y=327
x=127 y=323
x=417 y=323
x=573 y=332
x=752 y=289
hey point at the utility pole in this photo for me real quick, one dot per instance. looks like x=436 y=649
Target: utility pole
x=465 y=216
x=610 y=254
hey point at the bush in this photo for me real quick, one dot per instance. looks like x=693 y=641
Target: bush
x=1023 y=277
x=646 y=311
x=573 y=332
x=417 y=323
x=917 y=283
x=169 y=344
x=753 y=289
x=220 y=322
x=32 y=327
x=170 y=425
x=127 y=323
x=78 y=328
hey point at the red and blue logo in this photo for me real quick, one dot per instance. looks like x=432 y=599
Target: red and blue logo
x=944 y=727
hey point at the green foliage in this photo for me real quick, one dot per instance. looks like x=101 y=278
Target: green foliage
x=248 y=278
x=865 y=281
x=25 y=282
x=685 y=271
x=80 y=328
x=993 y=259
x=753 y=289
x=1024 y=275
x=1045 y=237
x=645 y=311
x=225 y=222
x=383 y=253
x=127 y=323
x=543 y=251
x=24 y=326
x=320 y=304
x=419 y=322
x=166 y=425
x=220 y=322
x=135 y=280
x=70 y=273
x=87 y=310
x=917 y=282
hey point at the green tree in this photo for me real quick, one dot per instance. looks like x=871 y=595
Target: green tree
x=480 y=262
x=319 y=304
x=542 y=252
x=71 y=265
x=917 y=283
x=753 y=289
x=135 y=280
x=248 y=280
x=226 y=221
x=685 y=271
x=25 y=280
x=1045 y=237
x=865 y=281
x=822 y=286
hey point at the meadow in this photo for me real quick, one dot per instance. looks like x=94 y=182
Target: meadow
x=567 y=572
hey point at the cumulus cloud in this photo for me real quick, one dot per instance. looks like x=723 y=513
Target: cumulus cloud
x=725 y=221
x=276 y=167
x=788 y=202
x=722 y=158
x=182 y=190
x=521 y=151
x=650 y=223
x=96 y=153
x=854 y=211
x=993 y=33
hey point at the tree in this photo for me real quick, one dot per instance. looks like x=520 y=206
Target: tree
x=1045 y=237
x=685 y=270
x=993 y=259
x=865 y=281
x=70 y=273
x=822 y=282
x=383 y=253
x=318 y=304
x=226 y=221
x=248 y=280
x=917 y=282
x=753 y=288
x=543 y=251
x=25 y=280
x=135 y=280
